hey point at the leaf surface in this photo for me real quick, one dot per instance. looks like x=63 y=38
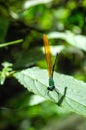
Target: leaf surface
x=36 y=81
x=78 y=41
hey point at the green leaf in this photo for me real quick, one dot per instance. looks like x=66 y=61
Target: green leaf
x=22 y=60
x=36 y=81
x=4 y=24
x=29 y=4
x=6 y=71
x=78 y=41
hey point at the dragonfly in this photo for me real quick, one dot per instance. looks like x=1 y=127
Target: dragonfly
x=51 y=86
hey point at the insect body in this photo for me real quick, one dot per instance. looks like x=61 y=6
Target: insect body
x=51 y=86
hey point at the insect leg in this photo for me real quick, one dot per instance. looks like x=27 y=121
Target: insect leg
x=56 y=90
x=50 y=95
x=62 y=97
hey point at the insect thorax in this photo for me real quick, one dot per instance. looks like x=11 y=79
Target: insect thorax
x=51 y=84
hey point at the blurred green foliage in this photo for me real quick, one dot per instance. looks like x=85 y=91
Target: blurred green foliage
x=29 y=20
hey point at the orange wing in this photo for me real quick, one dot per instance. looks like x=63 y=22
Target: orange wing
x=48 y=54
